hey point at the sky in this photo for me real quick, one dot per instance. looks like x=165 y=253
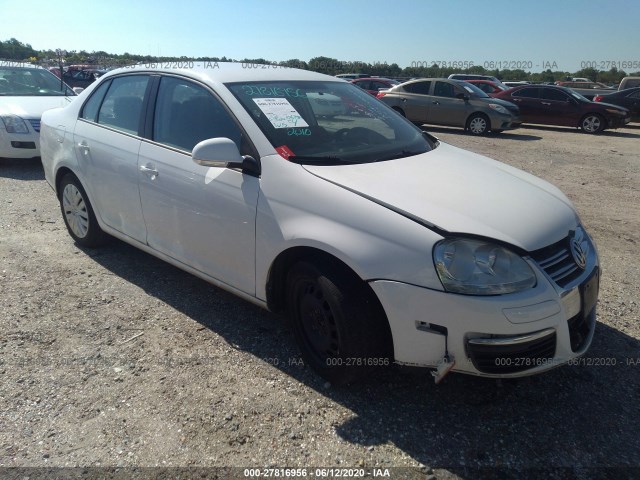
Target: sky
x=564 y=35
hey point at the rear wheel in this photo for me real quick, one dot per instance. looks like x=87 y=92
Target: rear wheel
x=478 y=124
x=338 y=323
x=592 y=123
x=78 y=214
x=399 y=110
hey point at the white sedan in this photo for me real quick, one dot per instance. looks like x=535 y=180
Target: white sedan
x=25 y=92
x=380 y=242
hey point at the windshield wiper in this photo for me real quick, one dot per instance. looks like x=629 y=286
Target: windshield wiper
x=319 y=160
x=402 y=154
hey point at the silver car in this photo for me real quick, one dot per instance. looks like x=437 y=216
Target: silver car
x=454 y=103
x=235 y=175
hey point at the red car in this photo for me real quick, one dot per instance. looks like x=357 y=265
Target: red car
x=553 y=105
x=375 y=84
x=488 y=87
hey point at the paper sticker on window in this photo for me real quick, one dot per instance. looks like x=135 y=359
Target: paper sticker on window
x=280 y=112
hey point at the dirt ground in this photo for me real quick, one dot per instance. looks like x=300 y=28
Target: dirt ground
x=112 y=358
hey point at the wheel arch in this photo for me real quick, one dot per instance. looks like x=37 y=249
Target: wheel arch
x=276 y=280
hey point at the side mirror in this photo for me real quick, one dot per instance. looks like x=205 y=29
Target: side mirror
x=78 y=90
x=223 y=153
x=463 y=96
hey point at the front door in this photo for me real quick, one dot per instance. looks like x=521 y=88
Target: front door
x=201 y=216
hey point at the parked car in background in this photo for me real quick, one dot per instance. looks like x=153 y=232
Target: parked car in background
x=469 y=76
x=380 y=242
x=629 y=99
x=351 y=76
x=587 y=89
x=510 y=83
x=488 y=87
x=454 y=103
x=82 y=78
x=25 y=92
x=629 y=82
x=555 y=105
x=374 y=85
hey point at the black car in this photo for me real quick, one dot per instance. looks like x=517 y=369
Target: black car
x=628 y=98
x=554 y=105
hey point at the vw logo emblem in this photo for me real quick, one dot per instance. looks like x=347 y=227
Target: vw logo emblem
x=579 y=248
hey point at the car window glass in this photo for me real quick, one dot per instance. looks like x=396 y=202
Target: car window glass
x=122 y=105
x=364 y=84
x=553 y=94
x=443 y=89
x=187 y=113
x=635 y=94
x=418 y=87
x=485 y=87
x=378 y=86
x=526 y=92
x=90 y=109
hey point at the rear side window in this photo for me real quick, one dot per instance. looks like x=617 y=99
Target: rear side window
x=526 y=93
x=187 y=113
x=91 y=108
x=418 y=87
x=122 y=105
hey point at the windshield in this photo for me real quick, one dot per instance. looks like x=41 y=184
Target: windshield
x=328 y=123
x=31 y=82
x=473 y=90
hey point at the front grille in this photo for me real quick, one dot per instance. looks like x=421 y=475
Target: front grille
x=557 y=261
x=495 y=358
x=35 y=123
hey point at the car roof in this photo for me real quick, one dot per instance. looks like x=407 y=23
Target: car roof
x=225 y=72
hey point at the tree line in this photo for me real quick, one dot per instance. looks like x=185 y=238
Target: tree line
x=13 y=49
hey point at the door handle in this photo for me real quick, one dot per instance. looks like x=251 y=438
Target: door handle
x=516 y=100
x=545 y=103
x=435 y=102
x=152 y=172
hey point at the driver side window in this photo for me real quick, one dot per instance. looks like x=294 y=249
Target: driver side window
x=187 y=113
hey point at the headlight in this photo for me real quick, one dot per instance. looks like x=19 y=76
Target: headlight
x=498 y=108
x=14 y=124
x=475 y=267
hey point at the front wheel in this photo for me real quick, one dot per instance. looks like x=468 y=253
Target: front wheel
x=478 y=124
x=337 y=321
x=592 y=123
x=78 y=214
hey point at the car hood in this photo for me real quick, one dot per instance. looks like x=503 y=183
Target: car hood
x=31 y=107
x=457 y=191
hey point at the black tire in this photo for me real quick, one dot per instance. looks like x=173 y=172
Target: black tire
x=478 y=124
x=399 y=110
x=338 y=323
x=78 y=214
x=592 y=123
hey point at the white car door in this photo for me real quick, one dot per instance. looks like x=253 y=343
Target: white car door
x=201 y=216
x=107 y=144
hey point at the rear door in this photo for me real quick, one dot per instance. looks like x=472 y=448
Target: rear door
x=416 y=100
x=107 y=141
x=204 y=217
x=528 y=100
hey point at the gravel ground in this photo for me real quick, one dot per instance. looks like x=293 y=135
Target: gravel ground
x=112 y=358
